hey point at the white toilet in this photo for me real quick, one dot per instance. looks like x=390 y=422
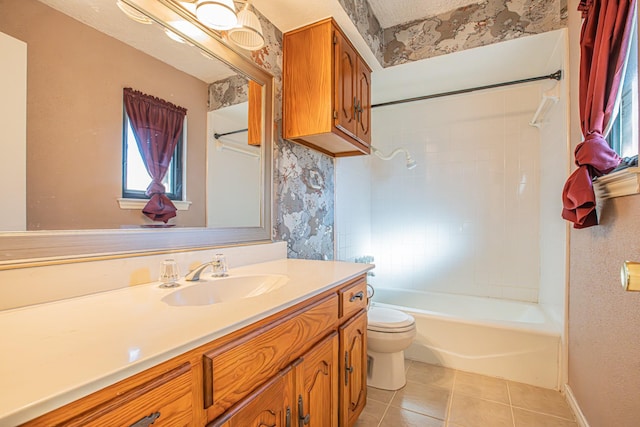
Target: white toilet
x=389 y=333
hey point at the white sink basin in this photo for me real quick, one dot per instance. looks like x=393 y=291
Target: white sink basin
x=225 y=289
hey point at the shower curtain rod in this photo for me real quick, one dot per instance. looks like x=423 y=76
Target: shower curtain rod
x=218 y=135
x=554 y=76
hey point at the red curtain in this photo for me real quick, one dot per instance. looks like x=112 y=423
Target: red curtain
x=604 y=43
x=157 y=125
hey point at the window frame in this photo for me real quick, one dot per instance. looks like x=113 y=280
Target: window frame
x=625 y=180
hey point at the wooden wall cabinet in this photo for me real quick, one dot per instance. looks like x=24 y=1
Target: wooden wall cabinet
x=326 y=91
x=304 y=366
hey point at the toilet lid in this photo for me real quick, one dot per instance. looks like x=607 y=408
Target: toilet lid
x=389 y=320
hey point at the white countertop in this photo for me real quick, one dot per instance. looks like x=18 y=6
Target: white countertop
x=52 y=354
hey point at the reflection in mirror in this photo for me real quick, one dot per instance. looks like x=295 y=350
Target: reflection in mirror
x=76 y=57
x=75 y=75
x=233 y=160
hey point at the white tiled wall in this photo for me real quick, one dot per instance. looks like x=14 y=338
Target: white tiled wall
x=353 y=207
x=554 y=148
x=467 y=219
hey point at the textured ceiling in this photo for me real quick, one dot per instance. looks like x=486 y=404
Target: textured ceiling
x=395 y=12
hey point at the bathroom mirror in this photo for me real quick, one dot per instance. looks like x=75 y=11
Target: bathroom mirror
x=203 y=57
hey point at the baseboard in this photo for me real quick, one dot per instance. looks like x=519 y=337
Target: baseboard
x=573 y=404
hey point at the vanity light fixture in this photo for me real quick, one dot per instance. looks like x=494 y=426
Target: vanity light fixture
x=248 y=32
x=133 y=14
x=173 y=36
x=217 y=14
x=244 y=28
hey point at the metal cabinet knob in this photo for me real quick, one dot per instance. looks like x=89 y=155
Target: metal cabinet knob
x=630 y=276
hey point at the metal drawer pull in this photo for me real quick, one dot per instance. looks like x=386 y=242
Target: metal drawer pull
x=146 y=421
x=359 y=295
x=288 y=419
x=347 y=368
x=302 y=420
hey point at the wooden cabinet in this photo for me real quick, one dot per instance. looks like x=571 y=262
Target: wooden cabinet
x=316 y=375
x=254 y=122
x=353 y=369
x=326 y=91
x=303 y=366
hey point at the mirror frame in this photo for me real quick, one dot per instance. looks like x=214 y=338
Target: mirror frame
x=37 y=248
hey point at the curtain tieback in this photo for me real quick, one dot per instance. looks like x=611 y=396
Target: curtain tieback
x=155 y=187
x=594 y=153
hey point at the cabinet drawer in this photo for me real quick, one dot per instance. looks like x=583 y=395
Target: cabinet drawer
x=164 y=401
x=353 y=299
x=233 y=371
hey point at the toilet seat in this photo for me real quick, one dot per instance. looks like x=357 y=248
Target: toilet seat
x=388 y=320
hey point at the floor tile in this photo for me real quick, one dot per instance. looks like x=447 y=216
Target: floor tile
x=525 y=418
x=380 y=395
x=481 y=386
x=396 y=417
x=431 y=374
x=371 y=414
x=422 y=398
x=539 y=399
x=467 y=411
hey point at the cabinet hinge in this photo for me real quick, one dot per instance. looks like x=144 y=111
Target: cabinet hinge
x=335 y=114
x=335 y=39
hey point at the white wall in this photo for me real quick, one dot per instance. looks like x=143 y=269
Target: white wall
x=13 y=122
x=353 y=207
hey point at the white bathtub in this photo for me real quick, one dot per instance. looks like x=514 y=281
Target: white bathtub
x=506 y=339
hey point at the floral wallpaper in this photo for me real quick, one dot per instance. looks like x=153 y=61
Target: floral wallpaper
x=230 y=91
x=303 y=178
x=367 y=24
x=487 y=22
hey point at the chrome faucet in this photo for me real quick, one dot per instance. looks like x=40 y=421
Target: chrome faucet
x=218 y=265
x=194 y=275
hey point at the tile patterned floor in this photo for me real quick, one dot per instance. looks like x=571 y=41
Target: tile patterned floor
x=441 y=397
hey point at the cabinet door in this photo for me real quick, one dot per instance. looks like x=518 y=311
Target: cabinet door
x=268 y=406
x=353 y=369
x=363 y=89
x=345 y=85
x=316 y=378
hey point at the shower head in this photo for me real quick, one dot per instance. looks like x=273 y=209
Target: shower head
x=411 y=163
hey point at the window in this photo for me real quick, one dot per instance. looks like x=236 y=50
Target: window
x=623 y=137
x=136 y=179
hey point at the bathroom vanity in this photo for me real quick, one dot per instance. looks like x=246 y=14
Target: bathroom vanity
x=292 y=355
